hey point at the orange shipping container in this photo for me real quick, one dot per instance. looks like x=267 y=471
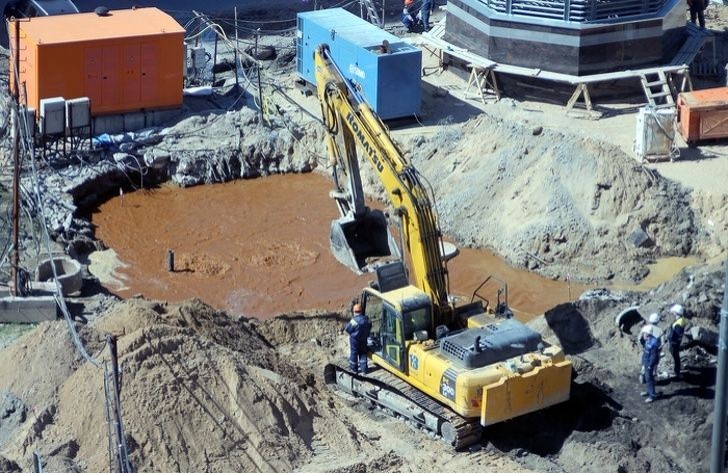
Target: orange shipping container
x=125 y=61
x=703 y=114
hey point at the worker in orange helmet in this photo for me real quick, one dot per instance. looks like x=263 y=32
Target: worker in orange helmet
x=409 y=15
x=358 y=329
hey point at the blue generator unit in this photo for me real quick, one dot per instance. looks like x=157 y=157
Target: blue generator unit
x=390 y=80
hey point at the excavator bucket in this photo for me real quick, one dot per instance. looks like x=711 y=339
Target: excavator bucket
x=362 y=243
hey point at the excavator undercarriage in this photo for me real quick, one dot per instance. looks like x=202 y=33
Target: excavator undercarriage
x=398 y=398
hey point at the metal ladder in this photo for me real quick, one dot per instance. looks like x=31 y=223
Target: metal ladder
x=371 y=12
x=657 y=89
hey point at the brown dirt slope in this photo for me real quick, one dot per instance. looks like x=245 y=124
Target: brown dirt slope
x=559 y=203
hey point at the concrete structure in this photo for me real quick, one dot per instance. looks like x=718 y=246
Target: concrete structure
x=576 y=37
x=24 y=310
x=128 y=60
x=68 y=271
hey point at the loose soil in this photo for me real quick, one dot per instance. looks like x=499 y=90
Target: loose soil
x=249 y=396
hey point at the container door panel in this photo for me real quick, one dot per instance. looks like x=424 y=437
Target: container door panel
x=110 y=95
x=150 y=72
x=132 y=64
x=93 y=64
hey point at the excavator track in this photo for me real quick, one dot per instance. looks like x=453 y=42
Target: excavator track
x=397 y=397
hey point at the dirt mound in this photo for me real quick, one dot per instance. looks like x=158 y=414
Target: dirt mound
x=219 y=147
x=204 y=392
x=200 y=392
x=557 y=203
x=35 y=365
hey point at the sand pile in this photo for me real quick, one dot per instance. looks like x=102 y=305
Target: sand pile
x=552 y=202
x=198 y=394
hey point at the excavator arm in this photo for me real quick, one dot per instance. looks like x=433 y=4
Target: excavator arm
x=351 y=124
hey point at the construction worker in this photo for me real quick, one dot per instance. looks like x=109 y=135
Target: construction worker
x=675 y=335
x=654 y=331
x=409 y=15
x=650 y=358
x=358 y=329
x=652 y=328
x=424 y=15
x=696 y=9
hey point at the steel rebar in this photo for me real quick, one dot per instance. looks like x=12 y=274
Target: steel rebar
x=717 y=453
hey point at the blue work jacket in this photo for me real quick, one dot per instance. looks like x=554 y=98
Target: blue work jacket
x=358 y=329
x=651 y=353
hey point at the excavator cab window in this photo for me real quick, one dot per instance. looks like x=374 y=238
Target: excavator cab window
x=417 y=320
x=387 y=328
x=374 y=309
x=393 y=338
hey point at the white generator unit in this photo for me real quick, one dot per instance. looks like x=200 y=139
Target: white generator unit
x=53 y=116
x=78 y=113
x=655 y=134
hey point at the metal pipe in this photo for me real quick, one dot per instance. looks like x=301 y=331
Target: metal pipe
x=15 y=261
x=260 y=87
x=717 y=450
x=37 y=462
x=237 y=83
x=214 y=60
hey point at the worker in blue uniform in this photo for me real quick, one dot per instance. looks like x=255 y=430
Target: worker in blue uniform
x=424 y=15
x=675 y=335
x=358 y=329
x=650 y=358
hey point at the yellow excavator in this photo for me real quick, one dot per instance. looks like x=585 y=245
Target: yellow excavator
x=449 y=370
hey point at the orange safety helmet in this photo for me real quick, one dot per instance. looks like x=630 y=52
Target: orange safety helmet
x=356 y=309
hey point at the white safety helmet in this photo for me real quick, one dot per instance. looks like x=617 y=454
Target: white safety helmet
x=647 y=330
x=654 y=318
x=678 y=310
x=651 y=330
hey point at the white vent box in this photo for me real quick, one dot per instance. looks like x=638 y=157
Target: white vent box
x=53 y=116
x=655 y=134
x=78 y=113
x=198 y=57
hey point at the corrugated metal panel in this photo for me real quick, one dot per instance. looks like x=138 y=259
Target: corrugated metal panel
x=117 y=73
x=89 y=26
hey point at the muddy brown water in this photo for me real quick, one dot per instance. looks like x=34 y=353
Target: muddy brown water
x=260 y=247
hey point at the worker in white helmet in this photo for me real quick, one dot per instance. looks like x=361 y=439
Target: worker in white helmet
x=675 y=335
x=650 y=358
x=651 y=329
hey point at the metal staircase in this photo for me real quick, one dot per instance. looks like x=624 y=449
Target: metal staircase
x=369 y=11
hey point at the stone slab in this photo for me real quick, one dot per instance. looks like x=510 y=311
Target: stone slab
x=23 y=310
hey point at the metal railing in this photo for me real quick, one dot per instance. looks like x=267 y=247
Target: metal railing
x=580 y=11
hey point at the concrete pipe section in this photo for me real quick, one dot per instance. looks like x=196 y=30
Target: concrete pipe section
x=68 y=270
